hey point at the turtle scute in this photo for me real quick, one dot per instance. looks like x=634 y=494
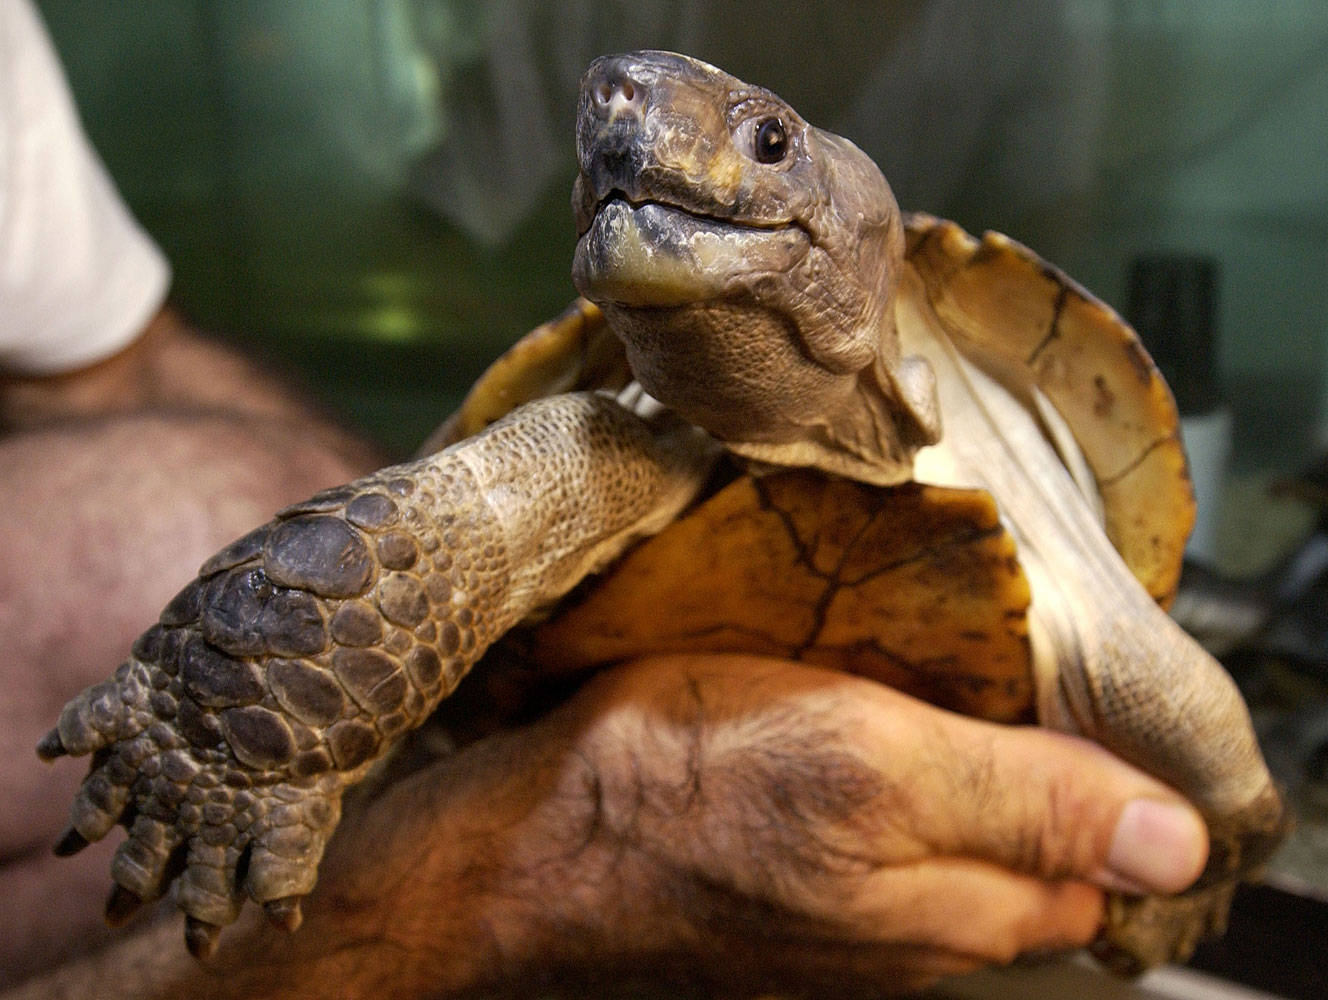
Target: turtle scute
x=270 y=682
x=917 y=587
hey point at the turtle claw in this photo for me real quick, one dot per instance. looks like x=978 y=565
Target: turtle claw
x=1145 y=931
x=51 y=746
x=121 y=906
x=284 y=914
x=70 y=843
x=201 y=937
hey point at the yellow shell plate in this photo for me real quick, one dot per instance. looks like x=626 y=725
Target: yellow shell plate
x=918 y=587
x=995 y=296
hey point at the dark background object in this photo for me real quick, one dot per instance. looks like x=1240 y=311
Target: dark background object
x=1172 y=302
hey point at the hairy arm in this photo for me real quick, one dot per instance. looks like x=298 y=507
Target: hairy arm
x=721 y=820
x=171 y=368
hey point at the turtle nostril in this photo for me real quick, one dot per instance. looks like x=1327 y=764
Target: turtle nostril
x=615 y=93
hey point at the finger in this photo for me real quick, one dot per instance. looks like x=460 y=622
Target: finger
x=1038 y=802
x=976 y=910
x=816 y=967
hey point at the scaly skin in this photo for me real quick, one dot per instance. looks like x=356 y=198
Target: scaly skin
x=305 y=648
x=1108 y=662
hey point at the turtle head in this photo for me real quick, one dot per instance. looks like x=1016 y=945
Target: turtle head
x=748 y=261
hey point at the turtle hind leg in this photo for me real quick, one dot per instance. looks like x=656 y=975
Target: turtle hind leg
x=1141 y=932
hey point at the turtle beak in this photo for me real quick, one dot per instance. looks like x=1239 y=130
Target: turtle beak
x=645 y=128
x=610 y=128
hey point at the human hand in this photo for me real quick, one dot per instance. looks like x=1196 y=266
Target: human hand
x=815 y=830
x=726 y=821
x=761 y=825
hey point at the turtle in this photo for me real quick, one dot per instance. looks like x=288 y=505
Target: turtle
x=962 y=469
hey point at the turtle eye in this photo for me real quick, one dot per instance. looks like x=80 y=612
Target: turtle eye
x=770 y=143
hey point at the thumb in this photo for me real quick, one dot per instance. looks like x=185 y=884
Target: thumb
x=1056 y=806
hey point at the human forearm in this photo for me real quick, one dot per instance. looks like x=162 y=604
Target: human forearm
x=172 y=368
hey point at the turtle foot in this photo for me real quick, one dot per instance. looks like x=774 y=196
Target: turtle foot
x=1242 y=842
x=225 y=740
x=201 y=823
x=1145 y=931
x=1141 y=932
x=217 y=838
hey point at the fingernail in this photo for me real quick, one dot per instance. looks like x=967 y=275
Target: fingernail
x=1157 y=847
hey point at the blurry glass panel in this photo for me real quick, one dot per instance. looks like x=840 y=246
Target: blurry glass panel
x=395 y=172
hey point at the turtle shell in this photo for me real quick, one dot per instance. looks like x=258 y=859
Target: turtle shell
x=917 y=586
x=997 y=298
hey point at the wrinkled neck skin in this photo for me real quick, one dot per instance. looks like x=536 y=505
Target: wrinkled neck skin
x=748 y=261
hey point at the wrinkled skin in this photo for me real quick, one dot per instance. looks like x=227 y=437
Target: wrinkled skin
x=725 y=276
x=750 y=272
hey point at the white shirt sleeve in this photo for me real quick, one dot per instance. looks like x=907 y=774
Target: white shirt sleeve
x=79 y=279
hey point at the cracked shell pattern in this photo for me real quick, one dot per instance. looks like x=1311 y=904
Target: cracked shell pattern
x=305 y=648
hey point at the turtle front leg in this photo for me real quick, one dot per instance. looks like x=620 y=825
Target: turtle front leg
x=304 y=649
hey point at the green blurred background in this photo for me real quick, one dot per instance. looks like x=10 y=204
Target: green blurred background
x=377 y=190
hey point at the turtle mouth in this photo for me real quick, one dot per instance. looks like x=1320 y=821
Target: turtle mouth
x=586 y=219
x=646 y=252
